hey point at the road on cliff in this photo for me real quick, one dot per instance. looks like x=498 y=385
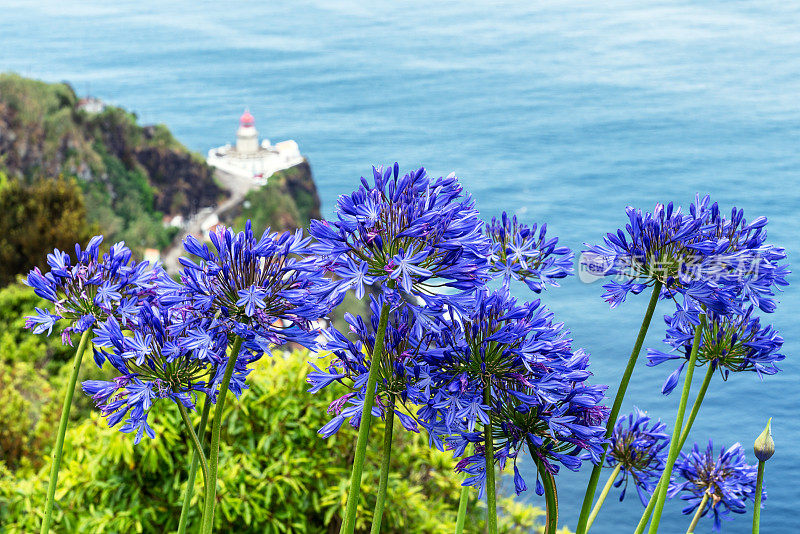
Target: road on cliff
x=237 y=187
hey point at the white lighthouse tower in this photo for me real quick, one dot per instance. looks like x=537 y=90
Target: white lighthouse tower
x=251 y=159
x=247 y=135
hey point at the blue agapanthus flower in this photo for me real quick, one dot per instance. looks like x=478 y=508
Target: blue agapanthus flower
x=262 y=290
x=520 y=253
x=638 y=446
x=403 y=375
x=740 y=259
x=89 y=288
x=718 y=262
x=728 y=480
x=409 y=235
x=154 y=364
x=729 y=342
x=540 y=401
x=654 y=246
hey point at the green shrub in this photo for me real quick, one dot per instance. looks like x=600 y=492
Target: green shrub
x=18 y=344
x=27 y=413
x=36 y=218
x=276 y=473
x=34 y=370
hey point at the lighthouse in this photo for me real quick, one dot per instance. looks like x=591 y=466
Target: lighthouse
x=251 y=159
x=247 y=135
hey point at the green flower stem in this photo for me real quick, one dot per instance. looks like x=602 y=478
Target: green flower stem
x=488 y=442
x=697 y=514
x=198 y=447
x=664 y=480
x=385 y=459
x=550 y=496
x=588 y=498
x=757 y=506
x=187 y=499
x=603 y=494
x=349 y=523
x=62 y=430
x=696 y=406
x=462 y=509
x=673 y=447
x=216 y=427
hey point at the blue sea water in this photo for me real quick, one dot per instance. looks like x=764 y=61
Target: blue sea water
x=564 y=112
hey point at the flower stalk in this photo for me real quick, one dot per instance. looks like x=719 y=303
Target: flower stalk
x=687 y=427
x=211 y=482
x=550 y=497
x=697 y=515
x=349 y=523
x=757 y=505
x=612 y=417
x=674 y=449
x=187 y=499
x=62 y=430
x=603 y=494
x=491 y=496
x=196 y=445
x=462 y=509
x=385 y=460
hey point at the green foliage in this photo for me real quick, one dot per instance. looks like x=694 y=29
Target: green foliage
x=34 y=370
x=124 y=201
x=26 y=412
x=270 y=207
x=288 y=201
x=33 y=99
x=276 y=473
x=37 y=218
x=18 y=344
x=163 y=138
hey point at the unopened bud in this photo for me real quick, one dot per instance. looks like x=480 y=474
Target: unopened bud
x=764 y=446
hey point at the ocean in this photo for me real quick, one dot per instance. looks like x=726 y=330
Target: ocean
x=559 y=112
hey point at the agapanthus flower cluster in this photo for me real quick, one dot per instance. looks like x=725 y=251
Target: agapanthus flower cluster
x=262 y=290
x=728 y=342
x=408 y=235
x=89 y=288
x=655 y=246
x=638 y=446
x=701 y=255
x=403 y=379
x=539 y=401
x=727 y=479
x=742 y=262
x=155 y=365
x=520 y=253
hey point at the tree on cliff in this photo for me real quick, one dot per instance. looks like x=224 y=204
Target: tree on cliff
x=35 y=219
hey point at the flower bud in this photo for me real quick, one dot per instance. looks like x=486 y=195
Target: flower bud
x=764 y=446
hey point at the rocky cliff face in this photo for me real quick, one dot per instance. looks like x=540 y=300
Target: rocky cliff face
x=44 y=133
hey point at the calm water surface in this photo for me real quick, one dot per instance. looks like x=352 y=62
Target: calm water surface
x=563 y=112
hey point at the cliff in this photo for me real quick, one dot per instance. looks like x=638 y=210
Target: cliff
x=130 y=175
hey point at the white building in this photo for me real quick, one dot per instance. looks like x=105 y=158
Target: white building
x=250 y=159
x=91 y=105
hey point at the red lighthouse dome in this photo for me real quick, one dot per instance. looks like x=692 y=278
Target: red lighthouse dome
x=247 y=119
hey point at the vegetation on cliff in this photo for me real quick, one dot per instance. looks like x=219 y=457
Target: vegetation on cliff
x=288 y=201
x=130 y=176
